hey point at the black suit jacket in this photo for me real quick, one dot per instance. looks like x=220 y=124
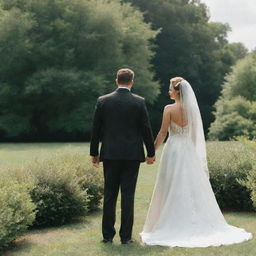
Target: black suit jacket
x=122 y=124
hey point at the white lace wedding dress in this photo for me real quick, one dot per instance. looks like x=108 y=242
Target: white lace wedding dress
x=183 y=210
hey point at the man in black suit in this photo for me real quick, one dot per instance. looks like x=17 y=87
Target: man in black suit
x=122 y=124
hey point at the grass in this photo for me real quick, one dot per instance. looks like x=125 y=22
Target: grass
x=15 y=154
x=81 y=238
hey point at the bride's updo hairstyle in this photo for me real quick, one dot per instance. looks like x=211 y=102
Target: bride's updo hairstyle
x=175 y=82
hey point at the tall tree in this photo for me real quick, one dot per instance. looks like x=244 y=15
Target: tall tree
x=236 y=108
x=58 y=56
x=189 y=46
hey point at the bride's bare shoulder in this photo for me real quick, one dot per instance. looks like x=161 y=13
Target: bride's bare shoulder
x=169 y=107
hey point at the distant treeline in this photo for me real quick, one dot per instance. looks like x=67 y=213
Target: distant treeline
x=58 y=56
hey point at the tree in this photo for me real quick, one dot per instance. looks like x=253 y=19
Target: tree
x=235 y=117
x=236 y=108
x=58 y=56
x=238 y=50
x=189 y=46
x=241 y=81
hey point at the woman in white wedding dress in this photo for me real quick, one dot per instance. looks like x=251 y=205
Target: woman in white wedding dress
x=183 y=210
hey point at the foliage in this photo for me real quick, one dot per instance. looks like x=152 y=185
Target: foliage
x=62 y=190
x=235 y=117
x=189 y=46
x=241 y=81
x=92 y=182
x=17 y=211
x=250 y=182
x=238 y=50
x=64 y=186
x=58 y=56
x=229 y=164
x=89 y=179
x=236 y=109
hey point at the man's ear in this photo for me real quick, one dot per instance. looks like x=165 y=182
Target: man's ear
x=116 y=81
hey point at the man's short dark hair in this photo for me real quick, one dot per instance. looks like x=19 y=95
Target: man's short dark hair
x=125 y=76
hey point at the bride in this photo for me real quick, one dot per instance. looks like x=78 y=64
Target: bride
x=183 y=210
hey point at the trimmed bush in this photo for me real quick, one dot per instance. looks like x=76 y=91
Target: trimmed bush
x=17 y=211
x=65 y=187
x=94 y=184
x=57 y=194
x=250 y=182
x=229 y=164
x=89 y=179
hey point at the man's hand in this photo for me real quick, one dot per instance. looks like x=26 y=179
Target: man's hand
x=96 y=161
x=150 y=160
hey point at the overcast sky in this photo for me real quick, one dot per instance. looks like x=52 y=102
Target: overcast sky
x=241 y=16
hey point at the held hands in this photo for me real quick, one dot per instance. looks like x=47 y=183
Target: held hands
x=96 y=161
x=150 y=160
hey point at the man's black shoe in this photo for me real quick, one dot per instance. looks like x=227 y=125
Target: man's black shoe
x=127 y=242
x=106 y=241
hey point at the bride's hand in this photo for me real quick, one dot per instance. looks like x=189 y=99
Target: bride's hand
x=151 y=160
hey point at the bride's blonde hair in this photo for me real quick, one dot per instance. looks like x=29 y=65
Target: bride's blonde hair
x=175 y=82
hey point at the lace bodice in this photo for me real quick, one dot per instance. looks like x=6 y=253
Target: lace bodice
x=177 y=129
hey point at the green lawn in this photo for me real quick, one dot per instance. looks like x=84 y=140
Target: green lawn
x=15 y=154
x=83 y=236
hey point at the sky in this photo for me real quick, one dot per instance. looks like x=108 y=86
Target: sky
x=240 y=15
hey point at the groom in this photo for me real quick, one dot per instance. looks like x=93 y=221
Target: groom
x=122 y=124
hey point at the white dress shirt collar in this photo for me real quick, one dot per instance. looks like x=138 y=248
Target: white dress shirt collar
x=122 y=86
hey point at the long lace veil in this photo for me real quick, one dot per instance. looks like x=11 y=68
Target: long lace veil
x=194 y=121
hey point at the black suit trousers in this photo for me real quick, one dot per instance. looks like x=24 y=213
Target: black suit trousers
x=119 y=174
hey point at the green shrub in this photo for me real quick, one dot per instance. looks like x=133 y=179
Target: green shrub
x=17 y=211
x=65 y=186
x=90 y=179
x=57 y=194
x=250 y=182
x=229 y=164
x=93 y=183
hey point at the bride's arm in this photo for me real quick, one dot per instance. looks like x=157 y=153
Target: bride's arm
x=164 y=127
